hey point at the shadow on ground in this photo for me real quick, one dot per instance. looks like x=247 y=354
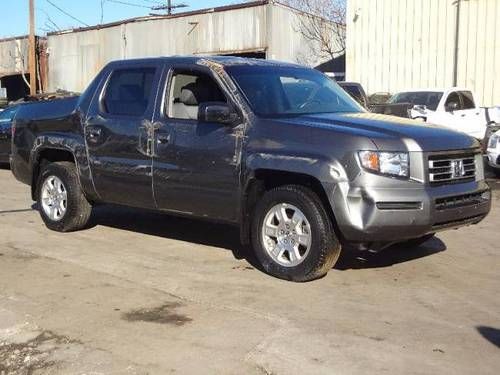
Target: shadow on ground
x=400 y=253
x=490 y=334
x=172 y=227
x=227 y=237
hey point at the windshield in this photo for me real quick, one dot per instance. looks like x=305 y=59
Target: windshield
x=284 y=91
x=428 y=98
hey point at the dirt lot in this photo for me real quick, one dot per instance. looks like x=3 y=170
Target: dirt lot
x=141 y=293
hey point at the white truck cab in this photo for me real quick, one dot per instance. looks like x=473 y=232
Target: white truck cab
x=455 y=108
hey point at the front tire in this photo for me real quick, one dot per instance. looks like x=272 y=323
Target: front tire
x=292 y=235
x=62 y=204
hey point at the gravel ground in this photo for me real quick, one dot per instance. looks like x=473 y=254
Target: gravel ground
x=145 y=293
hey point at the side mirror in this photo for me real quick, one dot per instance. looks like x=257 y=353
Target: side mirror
x=218 y=112
x=420 y=108
x=452 y=106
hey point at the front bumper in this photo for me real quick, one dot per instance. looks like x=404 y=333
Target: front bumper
x=386 y=215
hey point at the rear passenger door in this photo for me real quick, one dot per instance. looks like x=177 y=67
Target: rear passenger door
x=117 y=134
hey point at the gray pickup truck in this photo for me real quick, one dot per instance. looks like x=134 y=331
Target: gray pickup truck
x=277 y=149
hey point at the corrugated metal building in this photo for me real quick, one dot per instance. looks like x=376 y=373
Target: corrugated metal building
x=394 y=45
x=13 y=63
x=14 y=71
x=261 y=29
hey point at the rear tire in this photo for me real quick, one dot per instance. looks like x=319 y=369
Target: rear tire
x=61 y=202
x=292 y=235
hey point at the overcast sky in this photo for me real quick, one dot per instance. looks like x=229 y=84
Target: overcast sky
x=14 y=13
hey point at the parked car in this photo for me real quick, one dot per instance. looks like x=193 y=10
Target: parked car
x=493 y=152
x=380 y=98
x=454 y=108
x=357 y=92
x=6 y=118
x=277 y=149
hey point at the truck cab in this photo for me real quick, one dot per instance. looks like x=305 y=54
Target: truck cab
x=455 y=108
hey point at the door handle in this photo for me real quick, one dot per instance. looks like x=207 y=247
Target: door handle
x=163 y=139
x=94 y=133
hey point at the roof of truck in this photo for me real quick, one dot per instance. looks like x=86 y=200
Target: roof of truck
x=194 y=59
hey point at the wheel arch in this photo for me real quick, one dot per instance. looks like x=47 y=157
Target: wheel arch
x=265 y=179
x=45 y=155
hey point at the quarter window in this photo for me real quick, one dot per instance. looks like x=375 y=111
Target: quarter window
x=129 y=91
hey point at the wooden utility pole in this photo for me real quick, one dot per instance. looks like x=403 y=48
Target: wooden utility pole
x=32 y=49
x=169 y=7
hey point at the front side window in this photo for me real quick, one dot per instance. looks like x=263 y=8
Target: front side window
x=129 y=91
x=453 y=102
x=284 y=91
x=188 y=90
x=467 y=100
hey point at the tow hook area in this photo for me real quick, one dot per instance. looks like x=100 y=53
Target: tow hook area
x=371 y=247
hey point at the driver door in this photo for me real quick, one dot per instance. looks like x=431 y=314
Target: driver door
x=457 y=115
x=196 y=164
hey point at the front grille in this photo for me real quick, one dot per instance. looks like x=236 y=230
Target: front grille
x=459 y=201
x=451 y=168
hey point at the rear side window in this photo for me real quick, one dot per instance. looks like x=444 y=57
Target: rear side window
x=467 y=100
x=129 y=91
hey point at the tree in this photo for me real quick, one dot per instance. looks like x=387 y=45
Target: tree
x=322 y=24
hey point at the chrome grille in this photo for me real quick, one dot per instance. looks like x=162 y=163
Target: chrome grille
x=447 y=168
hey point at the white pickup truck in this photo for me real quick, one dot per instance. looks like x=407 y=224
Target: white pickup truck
x=454 y=108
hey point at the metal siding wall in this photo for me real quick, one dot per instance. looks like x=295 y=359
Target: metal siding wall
x=402 y=44
x=13 y=55
x=76 y=57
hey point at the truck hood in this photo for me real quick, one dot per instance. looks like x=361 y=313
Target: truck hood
x=391 y=133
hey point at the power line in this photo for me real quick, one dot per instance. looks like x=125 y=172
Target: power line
x=66 y=13
x=49 y=21
x=169 y=7
x=127 y=3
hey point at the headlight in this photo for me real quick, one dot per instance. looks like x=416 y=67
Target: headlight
x=388 y=163
x=494 y=140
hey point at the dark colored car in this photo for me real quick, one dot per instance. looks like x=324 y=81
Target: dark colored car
x=357 y=92
x=276 y=149
x=430 y=99
x=6 y=118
